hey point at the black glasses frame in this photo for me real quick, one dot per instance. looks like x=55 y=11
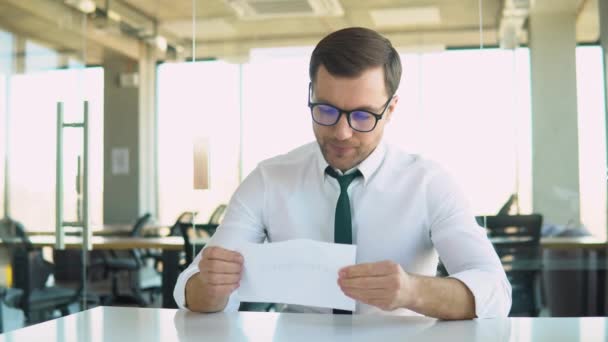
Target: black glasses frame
x=341 y=111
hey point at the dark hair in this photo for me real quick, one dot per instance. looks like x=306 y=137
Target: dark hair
x=351 y=51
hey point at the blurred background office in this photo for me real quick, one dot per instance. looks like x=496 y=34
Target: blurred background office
x=126 y=125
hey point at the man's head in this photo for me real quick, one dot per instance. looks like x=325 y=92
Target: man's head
x=352 y=69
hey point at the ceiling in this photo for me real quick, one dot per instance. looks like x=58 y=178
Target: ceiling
x=219 y=31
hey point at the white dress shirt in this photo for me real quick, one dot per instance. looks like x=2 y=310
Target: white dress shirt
x=404 y=208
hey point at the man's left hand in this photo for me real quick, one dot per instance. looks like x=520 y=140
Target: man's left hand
x=381 y=284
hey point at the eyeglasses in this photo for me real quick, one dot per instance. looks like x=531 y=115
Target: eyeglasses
x=360 y=120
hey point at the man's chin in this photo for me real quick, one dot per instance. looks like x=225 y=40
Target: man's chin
x=341 y=163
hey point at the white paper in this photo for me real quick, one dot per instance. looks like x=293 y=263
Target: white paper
x=301 y=272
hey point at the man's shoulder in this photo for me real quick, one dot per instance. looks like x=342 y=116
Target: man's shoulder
x=399 y=158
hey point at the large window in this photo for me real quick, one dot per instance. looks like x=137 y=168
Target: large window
x=591 y=138
x=2 y=139
x=276 y=118
x=39 y=58
x=6 y=61
x=469 y=110
x=33 y=108
x=197 y=100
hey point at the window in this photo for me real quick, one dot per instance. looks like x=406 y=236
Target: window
x=6 y=58
x=197 y=100
x=591 y=138
x=32 y=153
x=276 y=118
x=469 y=110
x=481 y=120
x=2 y=138
x=39 y=58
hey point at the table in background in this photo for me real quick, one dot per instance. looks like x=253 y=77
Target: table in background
x=106 y=230
x=171 y=247
x=564 y=257
x=573 y=242
x=136 y=324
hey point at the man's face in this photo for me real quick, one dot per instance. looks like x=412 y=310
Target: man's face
x=343 y=147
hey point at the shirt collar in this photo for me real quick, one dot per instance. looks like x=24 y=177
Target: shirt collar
x=367 y=167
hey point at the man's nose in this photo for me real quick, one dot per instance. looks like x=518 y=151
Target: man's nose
x=343 y=131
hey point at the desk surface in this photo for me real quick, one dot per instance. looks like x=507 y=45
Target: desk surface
x=116 y=243
x=135 y=324
x=106 y=230
x=559 y=242
x=573 y=242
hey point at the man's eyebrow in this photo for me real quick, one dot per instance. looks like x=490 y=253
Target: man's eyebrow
x=370 y=109
x=365 y=108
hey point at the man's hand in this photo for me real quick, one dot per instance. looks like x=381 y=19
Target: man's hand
x=220 y=274
x=381 y=284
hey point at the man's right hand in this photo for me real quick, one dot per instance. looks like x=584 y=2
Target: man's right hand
x=219 y=275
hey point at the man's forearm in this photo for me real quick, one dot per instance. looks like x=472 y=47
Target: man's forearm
x=197 y=300
x=443 y=298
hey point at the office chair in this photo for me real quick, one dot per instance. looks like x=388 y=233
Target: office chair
x=214 y=220
x=30 y=274
x=133 y=264
x=506 y=208
x=183 y=227
x=516 y=240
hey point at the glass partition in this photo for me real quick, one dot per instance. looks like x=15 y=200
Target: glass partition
x=44 y=54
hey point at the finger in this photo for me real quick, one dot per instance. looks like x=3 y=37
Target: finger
x=218 y=266
x=223 y=279
x=219 y=253
x=378 y=282
x=370 y=269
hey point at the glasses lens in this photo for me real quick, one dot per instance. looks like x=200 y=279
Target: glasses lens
x=362 y=121
x=325 y=115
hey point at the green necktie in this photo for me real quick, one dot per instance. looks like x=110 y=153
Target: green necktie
x=343 y=229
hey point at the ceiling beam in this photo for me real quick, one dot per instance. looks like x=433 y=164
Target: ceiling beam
x=554 y=6
x=57 y=15
x=411 y=41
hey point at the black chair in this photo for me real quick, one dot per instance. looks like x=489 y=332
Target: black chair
x=506 y=208
x=183 y=227
x=214 y=220
x=516 y=240
x=130 y=263
x=30 y=274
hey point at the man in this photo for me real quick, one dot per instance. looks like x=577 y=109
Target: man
x=349 y=187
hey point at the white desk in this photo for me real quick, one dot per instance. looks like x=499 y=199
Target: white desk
x=162 y=325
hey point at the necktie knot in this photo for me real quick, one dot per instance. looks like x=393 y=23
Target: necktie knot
x=344 y=180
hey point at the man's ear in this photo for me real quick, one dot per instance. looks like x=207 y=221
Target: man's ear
x=391 y=108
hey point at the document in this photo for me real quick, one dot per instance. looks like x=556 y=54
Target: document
x=301 y=272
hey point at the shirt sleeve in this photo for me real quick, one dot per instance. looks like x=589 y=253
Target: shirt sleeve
x=243 y=222
x=465 y=249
